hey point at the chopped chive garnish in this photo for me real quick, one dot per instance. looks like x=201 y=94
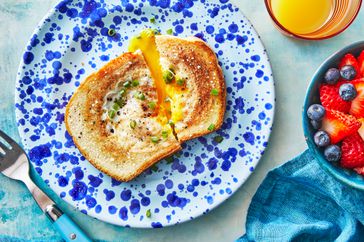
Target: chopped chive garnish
x=133 y=124
x=116 y=106
x=218 y=139
x=122 y=91
x=148 y=213
x=139 y=95
x=152 y=105
x=180 y=81
x=135 y=83
x=139 y=37
x=169 y=159
x=168 y=76
x=126 y=84
x=164 y=134
x=152 y=20
x=178 y=154
x=171 y=68
x=214 y=92
x=169 y=31
x=154 y=168
x=154 y=139
x=120 y=102
x=111 y=32
x=211 y=127
x=111 y=114
x=170 y=122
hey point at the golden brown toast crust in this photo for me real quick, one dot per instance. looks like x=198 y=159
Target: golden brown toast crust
x=194 y=59
x=83 y=122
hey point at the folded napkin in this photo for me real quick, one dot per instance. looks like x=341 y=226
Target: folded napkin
x=299 y=201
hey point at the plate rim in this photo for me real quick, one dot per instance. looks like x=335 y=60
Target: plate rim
x=199 y=212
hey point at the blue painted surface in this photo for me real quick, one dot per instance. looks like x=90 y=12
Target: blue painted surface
x=293 y=62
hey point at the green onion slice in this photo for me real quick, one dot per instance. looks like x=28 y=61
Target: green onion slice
x=135 y=83
x=111 y=32
x=152 y=105
x=211 y=127
x=116 y=106
x=164 y=134
x=218 y=139
x=180 y=81
x=154 y=139
x=168 y=76
x=214 y=92
x=111 y=114
x=148 y=213
x=122 y=91
x=127 y=84
x=133 y=124
x=139 y=95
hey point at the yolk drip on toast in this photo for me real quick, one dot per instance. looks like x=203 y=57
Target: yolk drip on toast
x=174 y=93
x=172 y=110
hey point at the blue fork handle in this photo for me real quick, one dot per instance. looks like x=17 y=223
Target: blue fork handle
x=69 y=230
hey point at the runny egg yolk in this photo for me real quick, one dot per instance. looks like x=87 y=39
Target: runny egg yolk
x=176 y=107
x=146 y=43
x=171 y=110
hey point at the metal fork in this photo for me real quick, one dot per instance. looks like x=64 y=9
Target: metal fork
x=14 y=164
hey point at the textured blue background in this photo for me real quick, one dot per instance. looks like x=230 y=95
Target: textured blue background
x=293 y=63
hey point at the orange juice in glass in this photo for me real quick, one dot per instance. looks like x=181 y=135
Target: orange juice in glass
x=312 y=19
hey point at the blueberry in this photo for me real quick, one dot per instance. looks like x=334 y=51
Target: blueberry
x=316 y=112
x=332 y=153
x=347 y=92
x=348 y=72
x=321 y=138
x=332 y=76
x=316 y=124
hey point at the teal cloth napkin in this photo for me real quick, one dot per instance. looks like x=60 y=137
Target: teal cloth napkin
x=299 y=201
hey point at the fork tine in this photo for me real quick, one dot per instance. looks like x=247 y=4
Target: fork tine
x=3 y=147
x=11 y=142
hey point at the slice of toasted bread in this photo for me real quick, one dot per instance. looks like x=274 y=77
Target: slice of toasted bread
x=125 y=142
x=198 y=99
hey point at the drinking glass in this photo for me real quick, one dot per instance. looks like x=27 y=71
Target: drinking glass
x=342 y=15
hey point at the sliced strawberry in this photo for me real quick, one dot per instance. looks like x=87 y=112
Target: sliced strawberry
x=357 y=105
x=359 y=170
x=330 y=98
x=349 y=59
x=339 y=125
x=361 y=130
x=352 y=152
x=361 y=63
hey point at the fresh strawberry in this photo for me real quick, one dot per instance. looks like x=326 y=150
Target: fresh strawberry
x=339 y=125
x=330 y=98
x=361 y=130
x=357 y=105
x=359 y=170
x=349 y=59
x=352 y=151
x=361 y=63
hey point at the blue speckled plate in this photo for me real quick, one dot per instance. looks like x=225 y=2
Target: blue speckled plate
x=72 y=42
